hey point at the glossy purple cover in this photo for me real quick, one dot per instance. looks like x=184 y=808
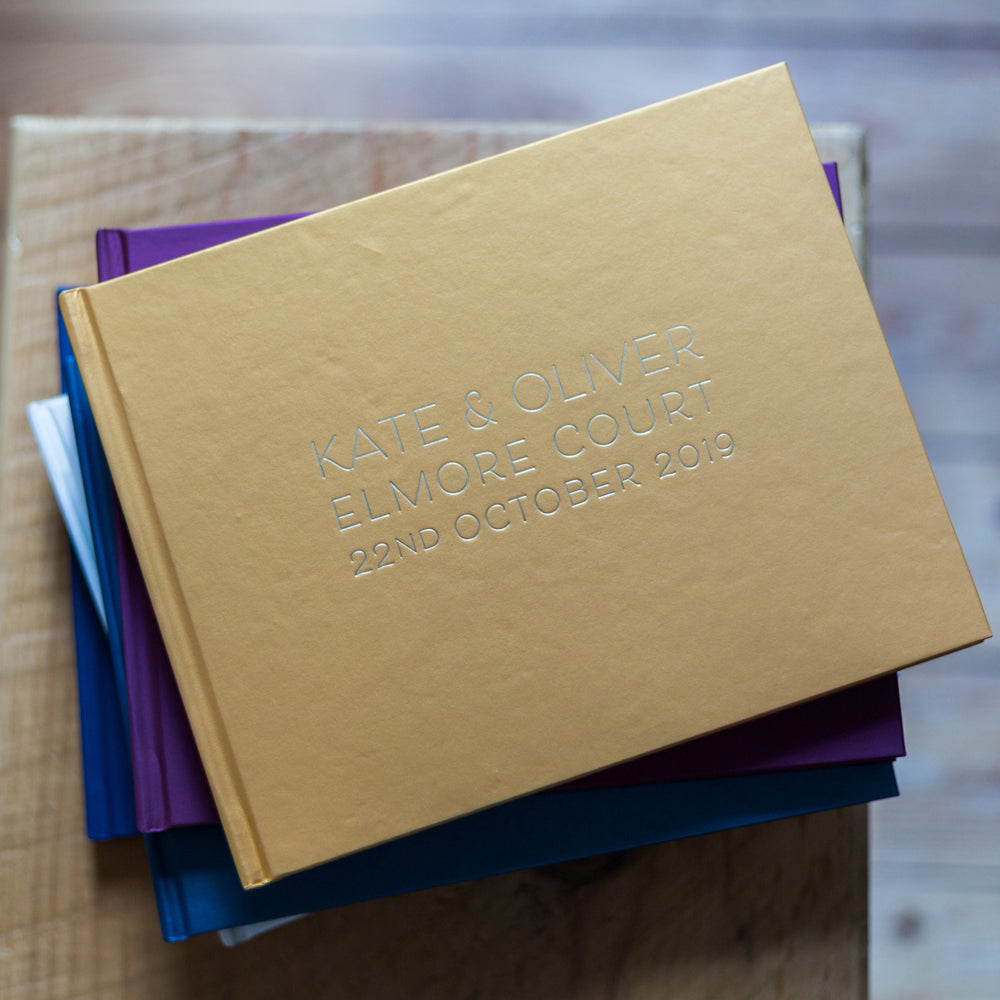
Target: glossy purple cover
x=858 y=724
x=170 y=784
x=833 y=179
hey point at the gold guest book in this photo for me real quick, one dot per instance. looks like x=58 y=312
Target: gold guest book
x=500 y=477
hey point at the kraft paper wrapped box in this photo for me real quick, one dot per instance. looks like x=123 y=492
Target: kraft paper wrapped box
x=501 y=477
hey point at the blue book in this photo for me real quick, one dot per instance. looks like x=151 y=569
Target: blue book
x=198 y=890
x=107 y=767
x=98 y=486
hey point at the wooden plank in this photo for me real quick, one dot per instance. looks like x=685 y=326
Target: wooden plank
x=971 y=490
x=913 y=11
x=583 y=929
x=935 y=863
x=949 y=806
x=935 y=940
x=940 y=319
x=939 y=311
x=931 y=118
x=897 y=24
x=747 y=913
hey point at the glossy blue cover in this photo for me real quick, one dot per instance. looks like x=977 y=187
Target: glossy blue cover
x=198 y=891
x=107 y=767
x=99 y=490
x=197 y=888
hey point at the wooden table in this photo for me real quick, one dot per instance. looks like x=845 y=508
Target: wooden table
x=778 y=910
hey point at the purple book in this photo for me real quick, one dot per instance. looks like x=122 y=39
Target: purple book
x=858 y=724
x=834 y=180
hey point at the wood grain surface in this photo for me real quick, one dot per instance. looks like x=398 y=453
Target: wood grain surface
x=922 y=77
x=778 y=910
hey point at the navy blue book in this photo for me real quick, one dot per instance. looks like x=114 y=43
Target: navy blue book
x=107 y=769
x=98 y=487
x=198 y=890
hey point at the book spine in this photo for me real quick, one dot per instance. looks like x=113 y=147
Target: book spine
x=97 y=487
x=169 y=896
x=107 y=772
x=146 y=767
x=168 y=600
x=112 y=254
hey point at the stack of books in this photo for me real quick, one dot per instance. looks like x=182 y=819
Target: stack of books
x=558 y=504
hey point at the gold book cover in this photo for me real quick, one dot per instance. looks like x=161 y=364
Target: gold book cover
x=492 y=480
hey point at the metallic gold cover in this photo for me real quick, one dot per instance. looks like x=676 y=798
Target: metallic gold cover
x=467 y=488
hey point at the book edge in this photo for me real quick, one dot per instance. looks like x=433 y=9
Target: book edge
x=149 y=541
x=112 y=253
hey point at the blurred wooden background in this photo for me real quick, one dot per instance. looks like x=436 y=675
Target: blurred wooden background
x=922 y=77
